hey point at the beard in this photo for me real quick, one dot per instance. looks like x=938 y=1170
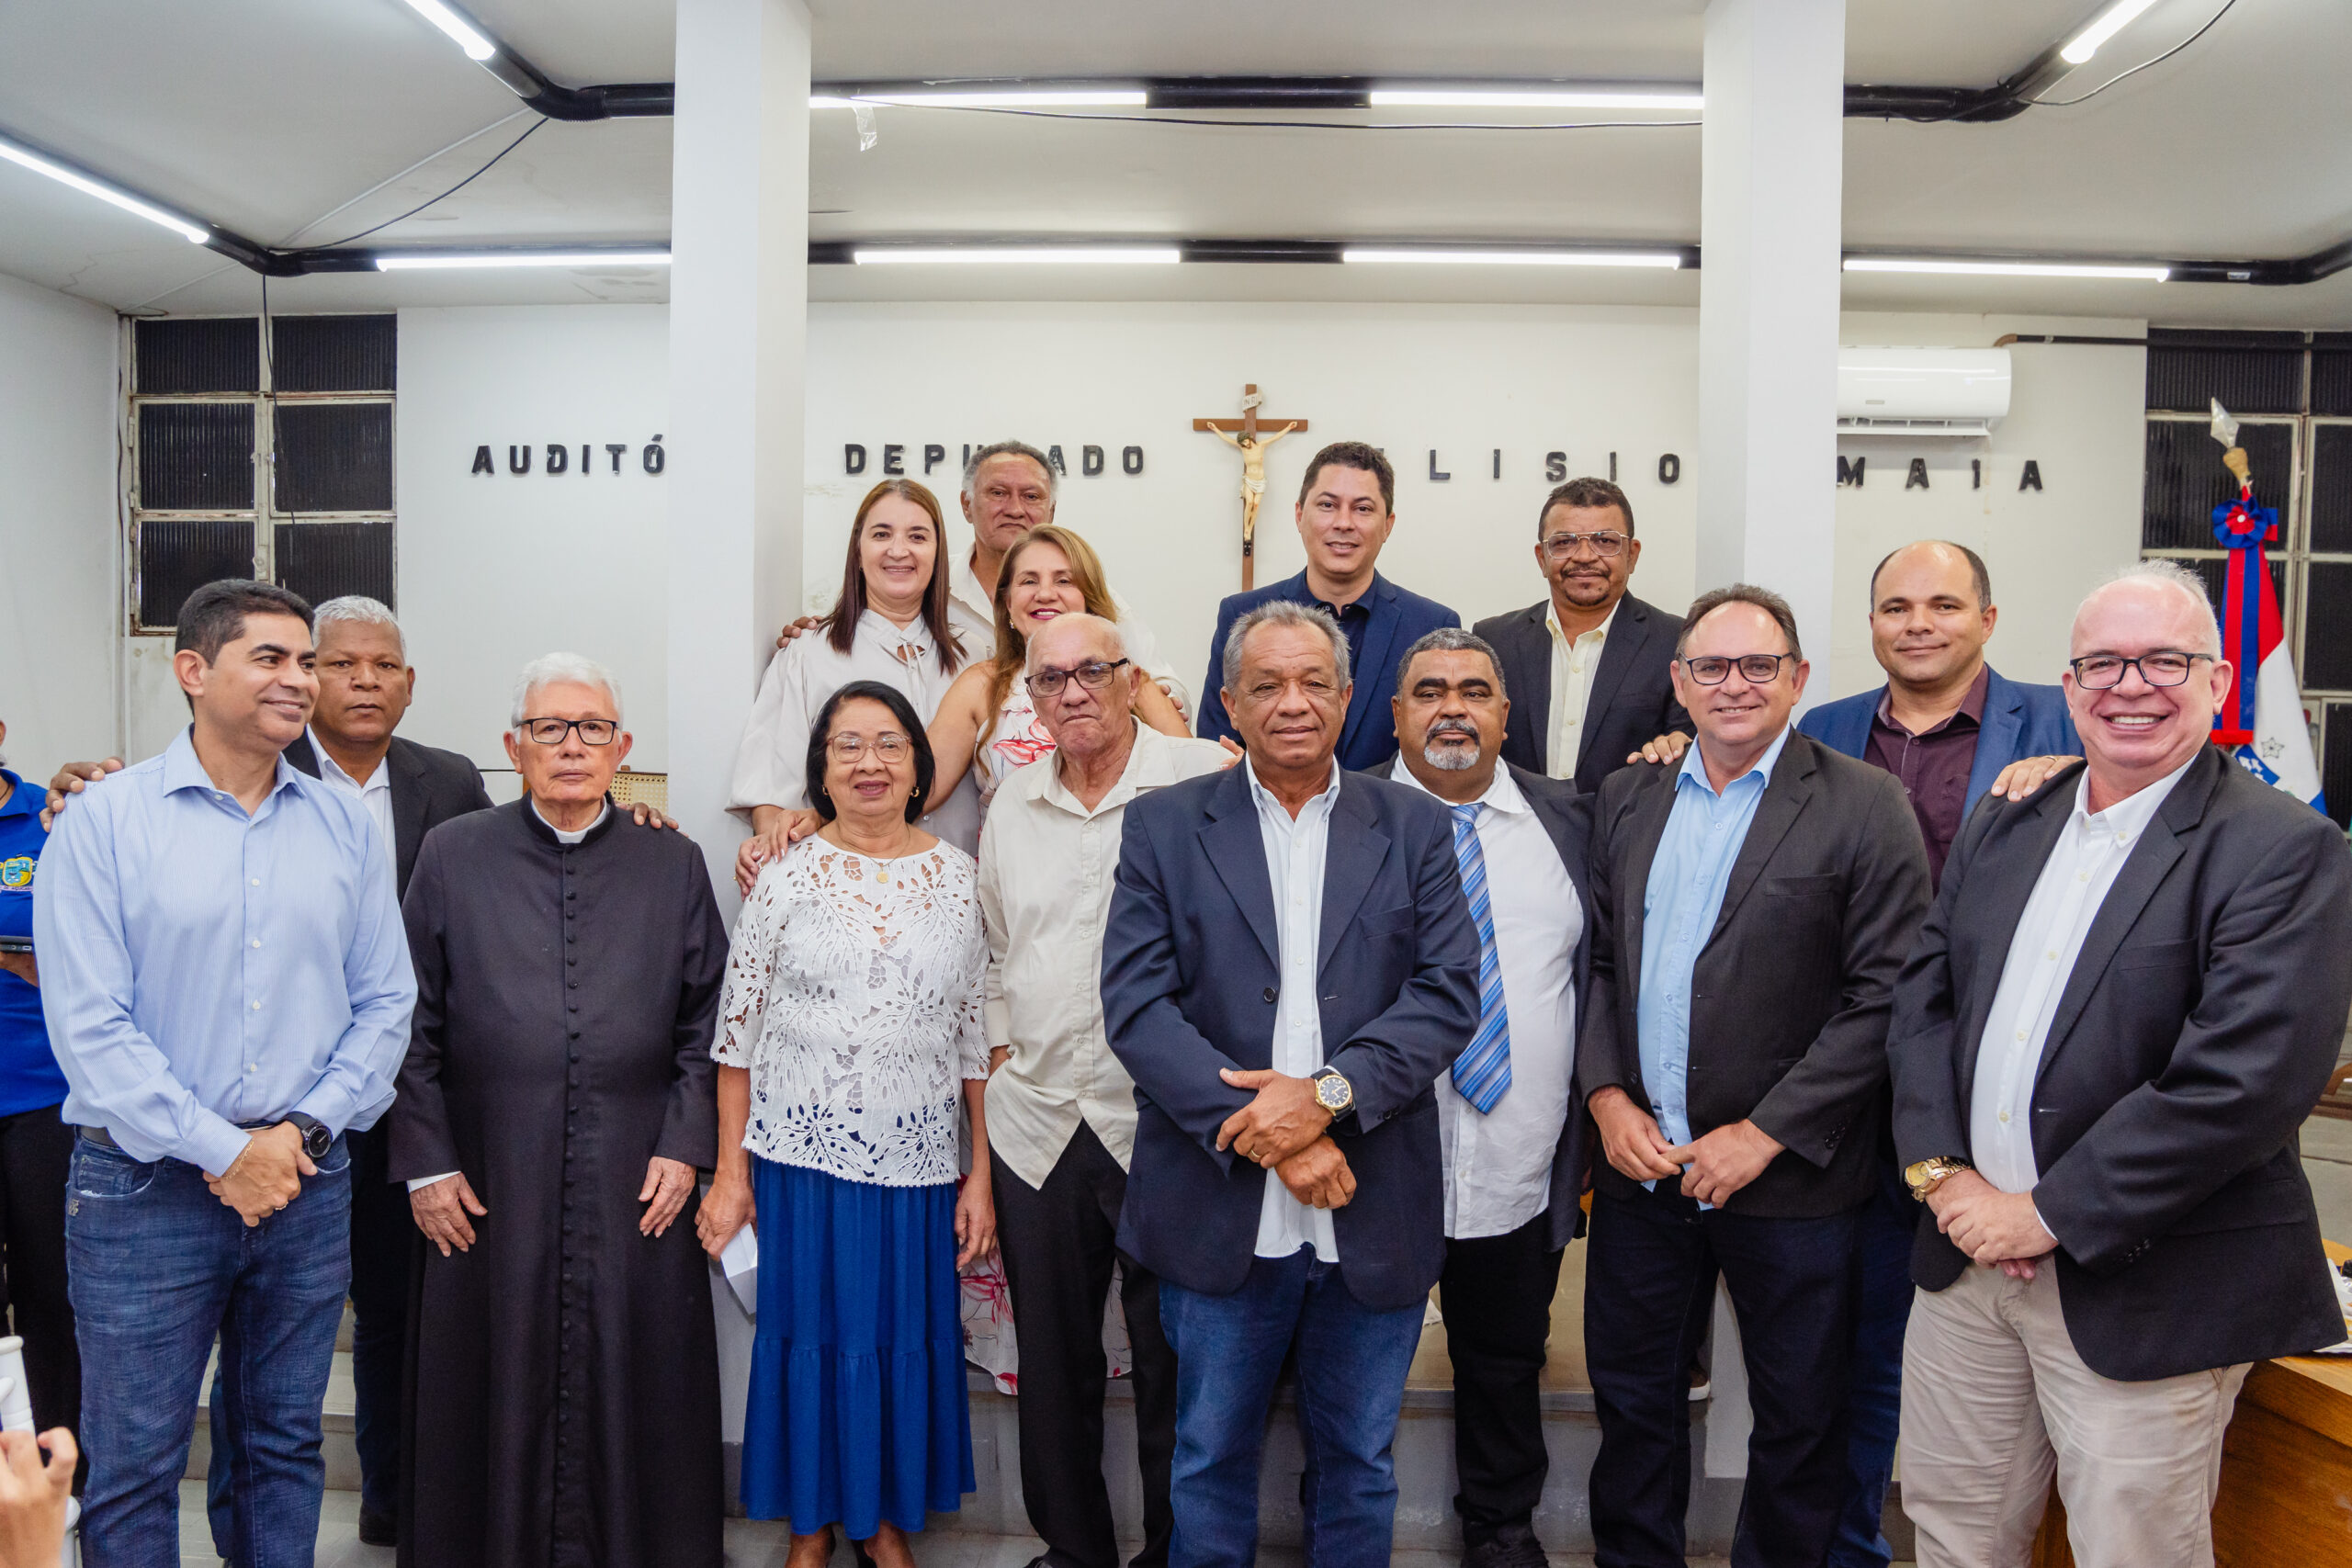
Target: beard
x=1451 y=759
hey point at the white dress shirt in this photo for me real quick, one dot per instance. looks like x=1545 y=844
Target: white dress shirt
x=2074 y=880
x=376 y=794
x=1573 y=666
x=972 y=603
x=1047 y=865
x=1295 y=855
x=1498 y=1165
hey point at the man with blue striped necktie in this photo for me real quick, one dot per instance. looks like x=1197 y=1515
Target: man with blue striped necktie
x=1514 y=1145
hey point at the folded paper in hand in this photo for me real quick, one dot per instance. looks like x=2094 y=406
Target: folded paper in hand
x=740 y=1262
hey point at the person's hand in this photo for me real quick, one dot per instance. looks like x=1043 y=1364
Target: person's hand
x=33 y=1496
x=1175 y=700
x=1724 y=1161
x=1318 y=1176
x=1629 y=1136
x=1990 y=1225
x=22 y=967
x=73 y=779
x=645 y=816
x=2027 y=774
x=1667 y=749
x=668 y=1184
x=266 y=1177
x=1283 y=1120
x=795 y=628
x=975 y=1218
x=441 y=1209
x=725 y=1209
x=998 y=1056
x=761 y=848
x=1233 y=753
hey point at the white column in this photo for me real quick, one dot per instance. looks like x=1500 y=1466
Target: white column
x=1771 y=167
x=738 y=328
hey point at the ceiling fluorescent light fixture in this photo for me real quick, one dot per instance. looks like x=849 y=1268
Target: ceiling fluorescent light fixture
x=2009 y=269
x=525 y=258
x=196 y=233
x=1071 y=98
x=1136 y=255
x=1533 y=98
x=463 y=33
x=1520 y=258
x=2109 y=22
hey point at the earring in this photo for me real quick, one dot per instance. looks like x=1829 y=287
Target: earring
x=917 y=795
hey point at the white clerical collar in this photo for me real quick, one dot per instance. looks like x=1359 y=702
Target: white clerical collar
x=567 y=835
x=1502 y=793
x=331 y=770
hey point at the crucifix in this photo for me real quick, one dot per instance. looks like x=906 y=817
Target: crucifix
x=1246 y=436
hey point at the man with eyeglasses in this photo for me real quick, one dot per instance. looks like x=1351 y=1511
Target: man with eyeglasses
x=1589 y=665
x=1751 y=911
x=2132 y=990
x=1061 y=1111
x=557 y=1099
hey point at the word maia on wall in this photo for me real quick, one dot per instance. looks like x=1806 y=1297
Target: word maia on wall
x=615 y=457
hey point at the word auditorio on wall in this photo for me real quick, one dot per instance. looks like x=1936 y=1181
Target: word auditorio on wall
x=650 y=458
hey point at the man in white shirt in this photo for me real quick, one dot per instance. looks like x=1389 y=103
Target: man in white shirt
x=2128 y=995
x=1514 y=1142
x=1061 y=1109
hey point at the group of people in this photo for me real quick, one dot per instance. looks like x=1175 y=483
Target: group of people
x=1960 y=1029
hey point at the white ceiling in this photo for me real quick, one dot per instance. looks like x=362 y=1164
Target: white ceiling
x=304 y=121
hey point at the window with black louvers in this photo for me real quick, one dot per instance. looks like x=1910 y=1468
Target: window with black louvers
x=196 y=456
x=2327 y=625
x=324 y=560
x=2185 y=480
x=177 y=555
x=2336 y=762
x=2250 y=372
x=2330 y=524
x=2332 y=373
x=333 y=457
x=196 y=355
x=334 y=354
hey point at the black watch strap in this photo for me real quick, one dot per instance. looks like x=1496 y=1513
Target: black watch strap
x=317 y=1137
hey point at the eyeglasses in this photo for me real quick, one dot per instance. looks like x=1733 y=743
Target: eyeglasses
x=552 y=731
x=890 y=746
x=2098 y=672
x=1561 y=546
x=1756 y=669
x=1094 y=675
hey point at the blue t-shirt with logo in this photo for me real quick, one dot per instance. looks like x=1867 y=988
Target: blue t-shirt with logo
x=28 y=1074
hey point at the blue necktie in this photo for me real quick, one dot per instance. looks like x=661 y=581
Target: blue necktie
x=1482 y=1073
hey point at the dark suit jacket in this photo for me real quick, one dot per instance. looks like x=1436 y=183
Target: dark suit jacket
x=2020 y=720
x=1790 y=993
x=1633 y=692
x=1190 y=971
x=429 y=786
x=2197 y=1029
x=1400 y=619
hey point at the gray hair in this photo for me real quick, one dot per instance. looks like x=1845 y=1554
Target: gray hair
x=554 y=669
x=1282 y=612
x=1452 y=640
x=2172 y=574
x=359 y=610
x=1110 y=630
x=1014 y=449
x=1764 y=598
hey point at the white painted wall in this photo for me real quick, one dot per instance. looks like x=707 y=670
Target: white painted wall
x=61 y=551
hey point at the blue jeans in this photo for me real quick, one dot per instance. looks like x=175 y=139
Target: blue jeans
x=1881 y=1306
x=159 y=1265
x=1352 y=1365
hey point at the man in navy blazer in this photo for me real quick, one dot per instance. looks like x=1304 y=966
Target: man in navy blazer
x=1288 y=965
x=1347 y=509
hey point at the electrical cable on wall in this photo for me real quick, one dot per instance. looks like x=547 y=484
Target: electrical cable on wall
x=2159 y=60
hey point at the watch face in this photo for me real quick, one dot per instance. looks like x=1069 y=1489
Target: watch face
x=1332 y=1091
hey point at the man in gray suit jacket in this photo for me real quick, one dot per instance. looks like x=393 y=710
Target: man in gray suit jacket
x=2130 y=994
x=1751 y=909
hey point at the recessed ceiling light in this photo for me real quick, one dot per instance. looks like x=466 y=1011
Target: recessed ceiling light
x=1520 y=258
x=1144 y=255
x=2108 y=23
x=2008 y=268
x=461 y=31
x=194 y=232
x=525 y=258
x=1534 y=98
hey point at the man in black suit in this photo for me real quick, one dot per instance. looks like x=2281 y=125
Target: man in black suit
x=1516 y=1142
x=1751 y=908
x=1288 y=965
x=1591 y=663
x=2127 y=1000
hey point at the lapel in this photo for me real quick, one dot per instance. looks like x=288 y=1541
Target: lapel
x=1784 y=799
x=1352 y=859
x=300 y=754
x=1530 y=677
x=1237 y=852
x=1379 y=633
x=2144 y=871
x=410 y=803
x=1996 y=739
x=1628 y=637
x=1645 y=814
x=2011 y=870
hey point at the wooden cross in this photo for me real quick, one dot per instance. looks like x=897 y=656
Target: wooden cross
x=1251 y=438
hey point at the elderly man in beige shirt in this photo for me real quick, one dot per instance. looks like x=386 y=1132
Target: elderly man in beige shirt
x=1061 y=1109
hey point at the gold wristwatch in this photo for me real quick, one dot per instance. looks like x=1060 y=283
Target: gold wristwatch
x=1332 y=1092
x=1926 y=1175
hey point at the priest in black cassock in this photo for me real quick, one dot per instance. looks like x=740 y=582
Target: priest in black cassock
x=556 y=1105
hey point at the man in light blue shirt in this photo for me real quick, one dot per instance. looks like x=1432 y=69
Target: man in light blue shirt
x=228 y=989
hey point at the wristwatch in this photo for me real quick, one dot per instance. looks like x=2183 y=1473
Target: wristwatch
x=317 y=1136
x=1925 y=1175
x=1332 y=1092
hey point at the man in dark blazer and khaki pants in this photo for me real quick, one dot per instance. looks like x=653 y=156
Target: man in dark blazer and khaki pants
x=2129 y=996
x=1752 y=907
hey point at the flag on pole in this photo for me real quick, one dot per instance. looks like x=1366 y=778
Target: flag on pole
x=2261 y=723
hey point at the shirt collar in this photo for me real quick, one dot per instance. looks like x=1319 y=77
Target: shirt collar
x=1265 y=800
x=566 y=836
x=331 y=770
x=1502 y=794
x=915 y=634
x=1693 y=767
x=20 y=802
x=1552 y=620
x=2130 y=817
x=182 y=770
x=1150 y=764
x=964 y=587
x=1971 y=704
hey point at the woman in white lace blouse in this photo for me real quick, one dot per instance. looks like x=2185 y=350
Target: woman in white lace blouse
x=850 y=1027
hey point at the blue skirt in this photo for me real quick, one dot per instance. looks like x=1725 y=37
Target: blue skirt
x=857 y=1411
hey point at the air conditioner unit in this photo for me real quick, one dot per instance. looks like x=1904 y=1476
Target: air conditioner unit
x=1921 y=391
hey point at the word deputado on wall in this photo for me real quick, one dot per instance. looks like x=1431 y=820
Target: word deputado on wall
x=650 y=458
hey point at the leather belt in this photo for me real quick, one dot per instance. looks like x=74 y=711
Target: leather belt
x=105 y=1139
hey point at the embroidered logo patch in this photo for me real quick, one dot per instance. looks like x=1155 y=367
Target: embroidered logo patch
x=17 y=873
